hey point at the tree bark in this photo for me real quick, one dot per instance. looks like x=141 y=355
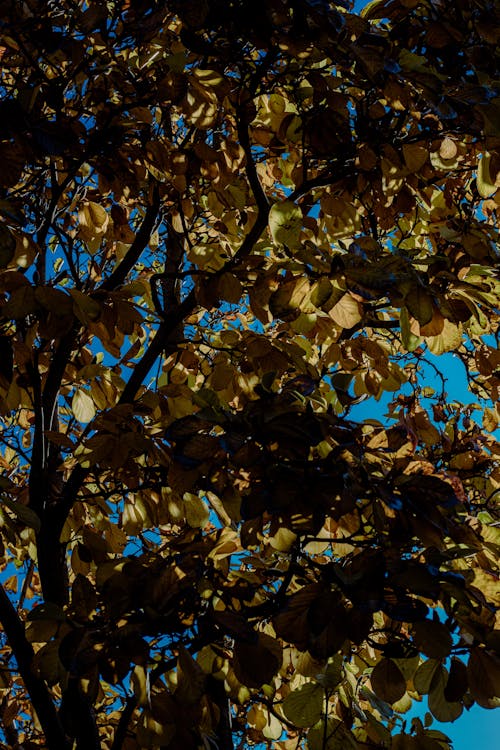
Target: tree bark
x=224 y=729
x=40 y=697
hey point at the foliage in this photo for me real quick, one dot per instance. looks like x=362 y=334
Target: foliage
x=222 y=225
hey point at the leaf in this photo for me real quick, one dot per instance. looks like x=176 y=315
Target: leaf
x=432 y=638
x=24 y=513
x=424 y=675
x=441 y=709
x=490 y=419
x=229 y=288
x=457 y=683
x=190 y=679
x=7 y=245
x=488 y=583
x=447 y=341
x=86 y=309
x=46 y=611
x=82 y=406
x=483 y=673
x=197 y=513
x=387 y=681
x=93 y=219
x=256 y=663
x=347 y=312
x=83 y=597
x=409 y=340
x=420 y=305
x=48 y=664
x=290 y=297
x=415 y=156
x=139 y=681
x=285 y=224
x=337 y=736
x=448 y=149
x=485 y=181
x=305 y=705
x=333 y=674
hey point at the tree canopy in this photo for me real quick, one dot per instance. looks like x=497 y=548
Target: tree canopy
x=223 y=225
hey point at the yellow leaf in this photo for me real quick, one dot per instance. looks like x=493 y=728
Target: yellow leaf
x=200 y=105
x=489 y=584
x=82 y=406
x=210 y=257
x=449 y=339
x=486 y=183
x=25 y=252
x=197 y=513
x=93 y=220
x=490 y=420
x=347 y=312
x=283 y=539
x=285 y=223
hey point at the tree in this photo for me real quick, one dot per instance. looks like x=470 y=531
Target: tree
x=221 y=226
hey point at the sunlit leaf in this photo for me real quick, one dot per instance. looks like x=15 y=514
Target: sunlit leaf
x=83 y=406
x=285 y=223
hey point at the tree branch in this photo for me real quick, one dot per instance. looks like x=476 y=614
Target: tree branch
x=217 y=693
x=118 y=276
x=123 y=723
x=251 y=169
x=38 y=691
x=53 y=511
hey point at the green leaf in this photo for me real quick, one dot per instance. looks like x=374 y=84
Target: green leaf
x=419 y=304
x=424 y=676
x=305 y=705
x=336 y=735
x=409 y=340
x=441 y=709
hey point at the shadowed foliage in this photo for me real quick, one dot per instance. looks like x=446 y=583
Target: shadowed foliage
x=222 y=226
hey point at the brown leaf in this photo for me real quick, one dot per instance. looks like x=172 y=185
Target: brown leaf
x=256 y=663
x=432 y=638
x=483 y=672
x=387 y=681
